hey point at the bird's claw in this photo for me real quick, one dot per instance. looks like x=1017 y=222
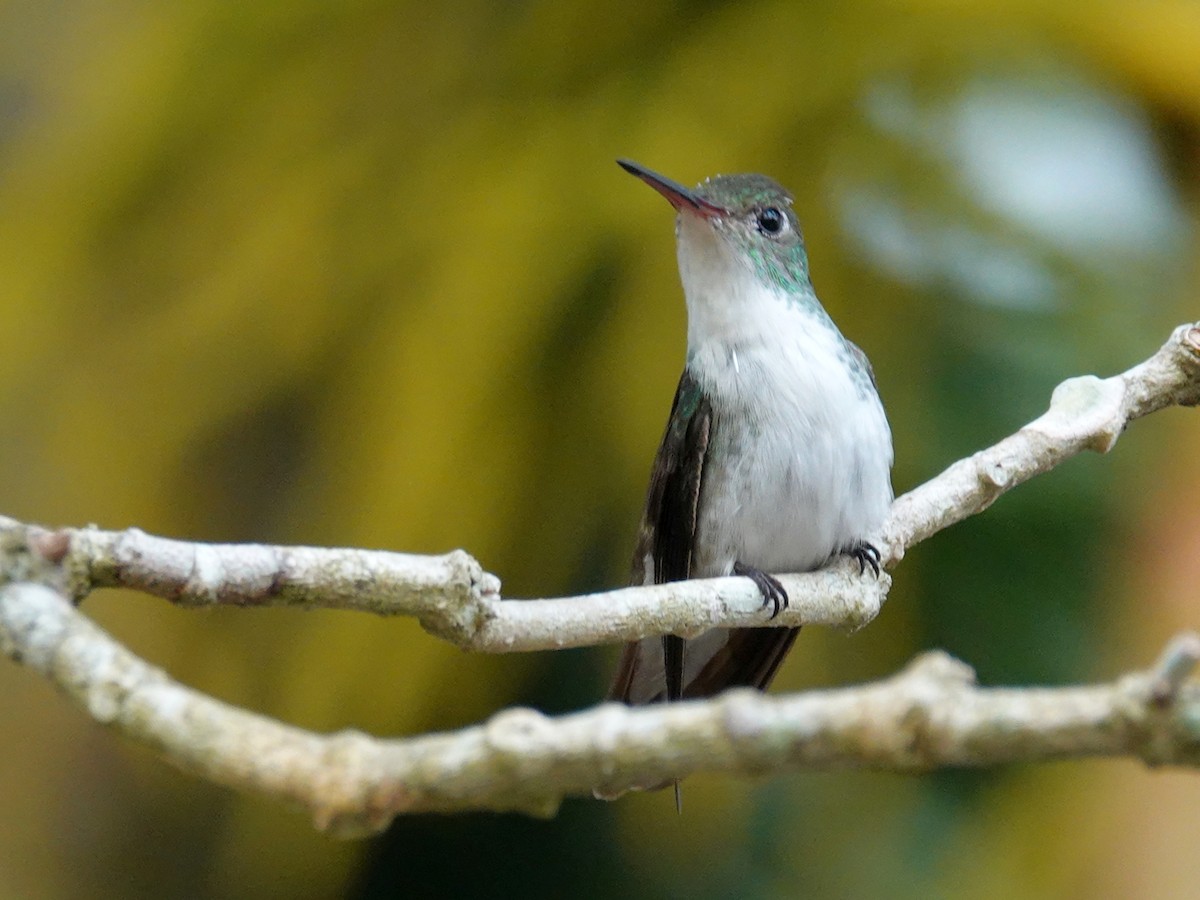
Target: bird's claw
x=867 y=555
x=772 y=591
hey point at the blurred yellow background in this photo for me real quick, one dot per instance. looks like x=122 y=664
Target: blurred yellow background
x=366 y=274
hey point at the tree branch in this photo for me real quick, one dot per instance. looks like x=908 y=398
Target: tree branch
x=930 y=715
x=1086 y=413
x=455 y=599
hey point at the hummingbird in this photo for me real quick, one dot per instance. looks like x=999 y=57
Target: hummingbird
x=777 y=454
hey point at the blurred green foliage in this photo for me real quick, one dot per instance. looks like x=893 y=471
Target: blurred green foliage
x=365 y=274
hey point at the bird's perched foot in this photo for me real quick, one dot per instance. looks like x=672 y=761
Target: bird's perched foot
x=867 y=555
x=772 y=591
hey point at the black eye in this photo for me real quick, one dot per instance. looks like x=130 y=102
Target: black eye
x=770 y=221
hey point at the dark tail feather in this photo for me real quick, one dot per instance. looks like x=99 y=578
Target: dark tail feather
x=673 y=649
x=739 y=658
x=747 y=657
x=750 y=658
x=673 y=666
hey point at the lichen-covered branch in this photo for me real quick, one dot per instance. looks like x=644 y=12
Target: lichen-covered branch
x=1086 y=413
x=455 y=599
x=932 y=714
x=451 y=595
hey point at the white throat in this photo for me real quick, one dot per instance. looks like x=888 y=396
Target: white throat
x=728 y=305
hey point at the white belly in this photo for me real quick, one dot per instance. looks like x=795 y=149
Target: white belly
x=799 y=459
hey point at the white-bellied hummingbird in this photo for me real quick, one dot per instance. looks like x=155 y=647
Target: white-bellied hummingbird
x=777 y=454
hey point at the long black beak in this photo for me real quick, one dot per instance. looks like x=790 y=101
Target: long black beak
x=679 y=196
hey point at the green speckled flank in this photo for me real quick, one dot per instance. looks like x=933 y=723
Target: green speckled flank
x=858 y=367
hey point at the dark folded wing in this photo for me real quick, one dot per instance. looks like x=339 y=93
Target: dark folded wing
x=652 y=668
x=655 y=669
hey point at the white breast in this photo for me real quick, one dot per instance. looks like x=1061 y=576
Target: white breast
x=799 y=461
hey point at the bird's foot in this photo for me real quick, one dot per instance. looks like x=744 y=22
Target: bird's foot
x=867 y=555
x=772 y=591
